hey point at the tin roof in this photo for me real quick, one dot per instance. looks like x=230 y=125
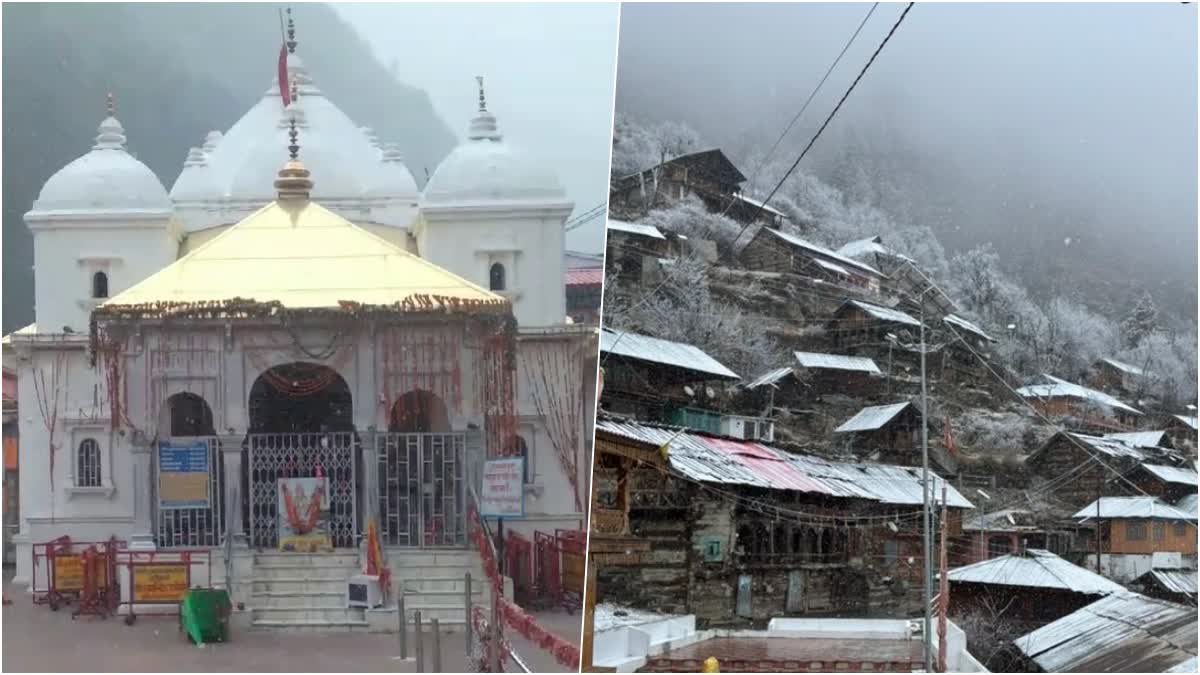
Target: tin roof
x=665 y=352
x=1124 y=367
x=729 y=461
x=1132 y=507
x=584 y=276
x=1123 y=632
x=955 y=320
x=832 y=267
x=1175 y=581
x=871 y=418
x=755 y=203
x=1188 y=505
x=1037 y=568
x=1004 y=520
x=770 y=377
x=1173 y=474
x=1058 y=388
x=821 y=250
x=1139 y=439
x=837 y=362
x=884 y=313
x=635 y=228
x=870 y=246
x=1189 y=420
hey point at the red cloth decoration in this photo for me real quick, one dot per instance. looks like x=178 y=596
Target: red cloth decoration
x=284 y=92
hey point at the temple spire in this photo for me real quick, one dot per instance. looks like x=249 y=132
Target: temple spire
x=294 y=182
x=111 y=105
x=483 y=126
x=291 y=32
x=482 y=98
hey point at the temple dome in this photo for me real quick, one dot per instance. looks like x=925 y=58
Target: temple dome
x=391 y=179
x=106 y=179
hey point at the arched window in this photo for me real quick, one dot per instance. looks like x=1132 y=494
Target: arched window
x=88 y=464
x=496 y=277
x=99 y=285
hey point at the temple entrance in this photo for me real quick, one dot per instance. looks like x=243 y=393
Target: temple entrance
x=302 y=460
x=421 y=469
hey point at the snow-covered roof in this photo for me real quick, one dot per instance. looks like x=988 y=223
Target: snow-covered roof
x=665 y=352
x=821 y=250
x=757 y=204
x=870 y=246
x=635 y=228
x=1149 y=508
x=737 y=462
x=871 y=418
x=1139 y=439
x=770 y=377
x=1189 y=420
x=884 y=313
x=609 y=616
x=1036 y=568
x=1004 y=520
x=837 y=362
x=1059 y=388
x=832 y=267
x=956 y=320
x=1188 y=505
x=1122 y=632
x=1172 y=474
x=1175 y=581
x=1188 y=666
x=1125 y=367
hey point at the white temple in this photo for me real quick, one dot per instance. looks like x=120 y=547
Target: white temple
x=326 y=322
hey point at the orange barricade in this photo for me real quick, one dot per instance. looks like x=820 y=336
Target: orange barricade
x=159 y=579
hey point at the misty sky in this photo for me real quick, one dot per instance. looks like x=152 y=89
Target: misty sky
x=1084 y=108
x=548 y=73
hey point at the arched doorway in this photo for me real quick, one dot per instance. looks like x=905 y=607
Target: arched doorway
x=302 y=443
x=190 y=422
x=419 y=412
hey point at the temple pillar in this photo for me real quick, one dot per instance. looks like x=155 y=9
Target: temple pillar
x=231 y=460
x=142 y=536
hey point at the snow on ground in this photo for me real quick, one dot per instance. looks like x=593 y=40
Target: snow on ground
x=609 y=616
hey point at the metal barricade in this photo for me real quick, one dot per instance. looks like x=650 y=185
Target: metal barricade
x=572 y=546
x=159 y=579
x=59 y=572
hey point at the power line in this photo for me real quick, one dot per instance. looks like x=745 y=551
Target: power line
x=828 y=119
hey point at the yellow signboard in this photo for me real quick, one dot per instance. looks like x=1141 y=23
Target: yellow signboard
x=160 y=583
x=68 y=573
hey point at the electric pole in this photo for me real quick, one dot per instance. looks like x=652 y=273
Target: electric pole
x=925 y=491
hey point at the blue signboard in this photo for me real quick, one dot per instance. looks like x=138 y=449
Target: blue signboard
x=183 y=475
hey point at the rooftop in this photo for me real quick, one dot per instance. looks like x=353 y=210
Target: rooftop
x=1175 y=581
x=635 y=228
x=585 y=276
x=871 y=418
x=1058 y=388
x=1139 y=439
x=821 y=250
x=884 y=313
x=837 y=362
x=1173 y=474
x=664 y=352
x=1123 y=632
x=770 y=377
x=1124 y=367
x=958 y=321
x=870 y=246
x=1149 y=508
x=1036 y=568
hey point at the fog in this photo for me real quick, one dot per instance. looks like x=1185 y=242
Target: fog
x=1017 y=124
x=548 y=73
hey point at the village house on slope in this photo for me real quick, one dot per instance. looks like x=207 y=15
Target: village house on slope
x=1083 y=409
x=1117 y=377
x=708 y=175
x=770 y=249
x=325 y=327
x=1138 y=534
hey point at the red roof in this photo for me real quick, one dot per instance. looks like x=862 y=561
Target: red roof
x=585 y=276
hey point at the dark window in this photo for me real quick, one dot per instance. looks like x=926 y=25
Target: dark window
x=1180 y=528
x=88 y=469
x=99 y=285
x=496 y=277
x=1160 y=532
x=1135 y=530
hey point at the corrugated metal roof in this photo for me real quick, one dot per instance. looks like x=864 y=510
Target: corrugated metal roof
x=837 y=362
x=1132 y=507
x=1173 y=474
x=585 y=276
x=1175 y=581
x=770 y=377
x=871 y=418
x=1139 y=439
x=756 y=203
x=1124 y=367
x=730 y=461
x=304 y=257
x=1037 y=568
x=1061 y=388
x=1189 y=420
x=635 y=228
x=1122 y=632
x=836 y=269
x=1188 y=666
x=871 y=246
x=955 y=320
x=821 y=250
x=666 y=352
x=1188 y=505
x=885 y=313
x=1004 y=520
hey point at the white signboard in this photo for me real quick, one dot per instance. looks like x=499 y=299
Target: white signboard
x=503 y=494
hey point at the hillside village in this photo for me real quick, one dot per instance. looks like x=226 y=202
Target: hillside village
x=758 y=450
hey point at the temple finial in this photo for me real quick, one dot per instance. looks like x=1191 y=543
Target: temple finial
x=294 y=148
x=111 y=105
x=294 y=181
x=295 y=91
x=482 y=99
x=291 y=32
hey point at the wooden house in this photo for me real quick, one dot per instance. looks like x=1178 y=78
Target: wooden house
x=891 y=429
x=1134 y=530
x=1069 y=453
x=1167 y=482
x=1082 y=408
x=634 y=249
x=872 y=251
x=965 y=358
x=773 y=250
x=653 y=378
x=1182 y=430
x=1118 y=377
x=1173 y=585
x=812 y=375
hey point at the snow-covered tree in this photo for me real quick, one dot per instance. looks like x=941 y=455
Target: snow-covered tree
x=637 y=146
x=1141 y=321
x=691 y=218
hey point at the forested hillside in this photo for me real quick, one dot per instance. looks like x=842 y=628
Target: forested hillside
x=177 y=71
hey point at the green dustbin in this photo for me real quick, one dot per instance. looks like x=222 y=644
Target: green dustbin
x=204 y=615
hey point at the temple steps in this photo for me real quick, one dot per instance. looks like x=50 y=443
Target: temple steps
x=305 y=592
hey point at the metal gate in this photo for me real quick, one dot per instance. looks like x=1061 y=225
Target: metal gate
x=422 y=489
x=274 y=456
x=193 y=527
